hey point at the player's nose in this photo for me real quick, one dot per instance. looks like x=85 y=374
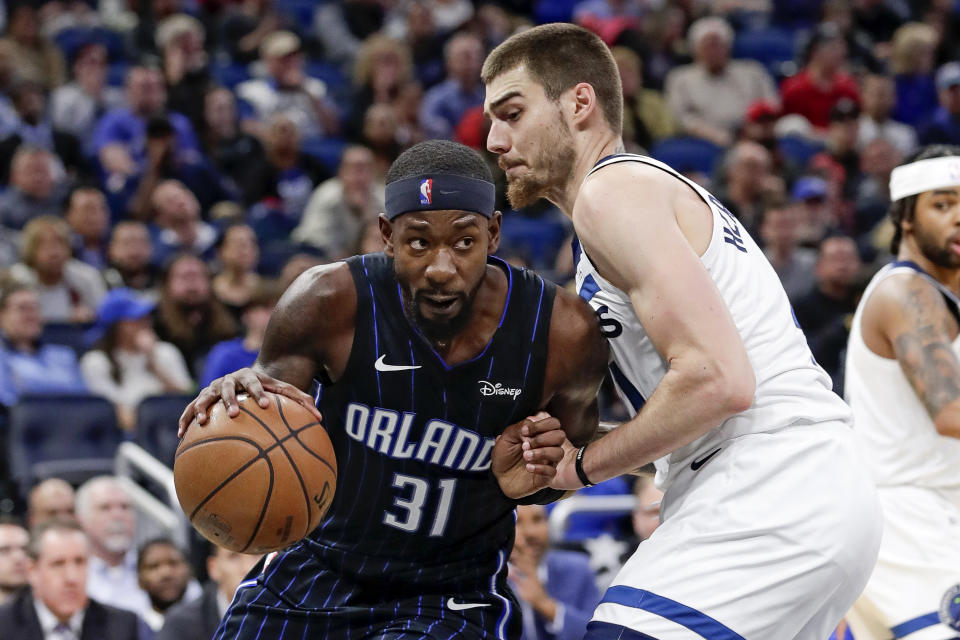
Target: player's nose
x=442 y=267
x=497 y=139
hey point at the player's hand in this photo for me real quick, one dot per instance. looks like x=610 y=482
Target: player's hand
x=225 y=389
x=566 y=477
x=525 y=455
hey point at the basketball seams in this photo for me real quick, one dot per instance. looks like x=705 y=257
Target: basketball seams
x=260 y=456
x=263 y=510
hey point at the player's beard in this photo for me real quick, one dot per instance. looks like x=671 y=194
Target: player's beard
x=439 y=329
x=934 y=250
x=549 y=168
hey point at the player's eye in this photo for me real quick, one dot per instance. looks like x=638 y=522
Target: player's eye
x=418 y=244
x=513 y=115
x=464 y=243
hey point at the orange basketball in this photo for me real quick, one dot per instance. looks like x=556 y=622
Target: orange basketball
x=258 y=482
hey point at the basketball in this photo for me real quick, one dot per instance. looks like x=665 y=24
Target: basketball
x=258 y=482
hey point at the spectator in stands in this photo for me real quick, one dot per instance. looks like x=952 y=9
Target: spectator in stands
x=340 y=207
x=822 y=81
x=245 y=25
x=842 y=142
x=180 y=39
x=646 y=515
x=407 y=106
x=228 y=356
x=238 y=254
x=130 y=257
x=176 y=213
x=446 y=103
x=188 y=315
x=281 y=181
x=748 y=182
x=382 y=68
x=826 y=311
x=164 y=576
x=760 y=126
x=35 y=189
x=105 y=511
x=231 y=150
x=34 y=57
x=166 y=161
x=8 y=117
x=817 y=216
x=878 y=94
x=288 y=90
x=120 y=137
x=911 y=61
x=295 y=266
x=646 y=117
x=198 y=619
x=780 y=231
x=52 y=499
x=128 y=363
x=69 y=290
x=26 y=363
x=34 y=128
x=14 y=559
x=710 y=96
x=381 y=129
x=343 y=28
x=76 y=107
x=89 y=221
x=556 y=588
x=57 y=606
x=944 y=126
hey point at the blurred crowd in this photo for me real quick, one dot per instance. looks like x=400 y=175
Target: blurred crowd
x=168 y=167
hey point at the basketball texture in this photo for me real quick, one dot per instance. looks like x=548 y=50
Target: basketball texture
x=258 y=482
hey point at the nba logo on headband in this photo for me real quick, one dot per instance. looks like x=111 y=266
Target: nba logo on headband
x=426 y=191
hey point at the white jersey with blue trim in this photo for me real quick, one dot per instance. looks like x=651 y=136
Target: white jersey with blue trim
x=791 y=388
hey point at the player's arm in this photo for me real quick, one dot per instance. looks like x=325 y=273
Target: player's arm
x=911 y=316
x=576 y=363
x=310 y=331
x=627 y=221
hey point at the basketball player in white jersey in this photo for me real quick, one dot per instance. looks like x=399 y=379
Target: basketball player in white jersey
x=903 y=383
x=770 y=522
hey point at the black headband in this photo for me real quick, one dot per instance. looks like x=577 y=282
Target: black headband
x=440 y=191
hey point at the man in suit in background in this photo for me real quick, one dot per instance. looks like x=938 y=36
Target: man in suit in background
x=198 y=619
x=557 y=589
x=56 y=606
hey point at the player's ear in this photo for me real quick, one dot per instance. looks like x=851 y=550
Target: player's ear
x=583 y=102
x=386 y=234
x=493 y=229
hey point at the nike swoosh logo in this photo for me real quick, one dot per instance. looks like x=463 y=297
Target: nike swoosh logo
x=696 y=464
x=447 y=193
x=380 y=365
x=460 y=606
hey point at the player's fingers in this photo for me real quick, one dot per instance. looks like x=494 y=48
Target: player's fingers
x=228 y=395
x=544 y=455
x=305 y=400
x=185 y=419
x=203 y=402
x=542 y=470
x=249 y=380
x=553 y=438
x=535 y=427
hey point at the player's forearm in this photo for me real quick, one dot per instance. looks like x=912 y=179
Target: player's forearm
x=947 y=421
x=685 y=406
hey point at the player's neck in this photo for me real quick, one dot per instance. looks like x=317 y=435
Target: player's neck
x=950 y=278
x=589 y=151
x=487 y=309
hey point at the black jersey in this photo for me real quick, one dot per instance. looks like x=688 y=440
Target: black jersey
x=417 y=509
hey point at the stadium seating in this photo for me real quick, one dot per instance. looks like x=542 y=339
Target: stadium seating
x=771 y=47
x=66 y=435
x=800 y=149
x=156 y=428
x=70 y=334
x=687 y=154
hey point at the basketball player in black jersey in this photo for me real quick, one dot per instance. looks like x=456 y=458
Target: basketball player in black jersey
x=426 y=354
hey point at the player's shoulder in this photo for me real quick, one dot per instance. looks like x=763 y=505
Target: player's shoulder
x=630 y=181
x=321 y=294
x=575 y=332
x=902 y=295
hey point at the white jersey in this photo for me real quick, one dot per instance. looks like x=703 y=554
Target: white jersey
x=898 y=437
x=790 y=386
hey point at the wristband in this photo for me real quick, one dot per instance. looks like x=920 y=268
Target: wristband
x=578 y=467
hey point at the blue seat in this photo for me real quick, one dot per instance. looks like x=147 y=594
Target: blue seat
x=538 y=239
x=300 y=11
x=800 y=149
x=156 y=428
x=71 y=436
x=687 y=154
x=70 y=334
x=229 y=74
x=70 y=40
x=326 y=150
x=769 y=46
x=545 y=11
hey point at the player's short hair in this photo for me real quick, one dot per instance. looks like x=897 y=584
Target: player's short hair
x=905 y=209
x=559 y=56
x=439 y=156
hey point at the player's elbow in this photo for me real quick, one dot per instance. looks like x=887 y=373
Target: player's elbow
x=730 y=389
x=947 y=421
